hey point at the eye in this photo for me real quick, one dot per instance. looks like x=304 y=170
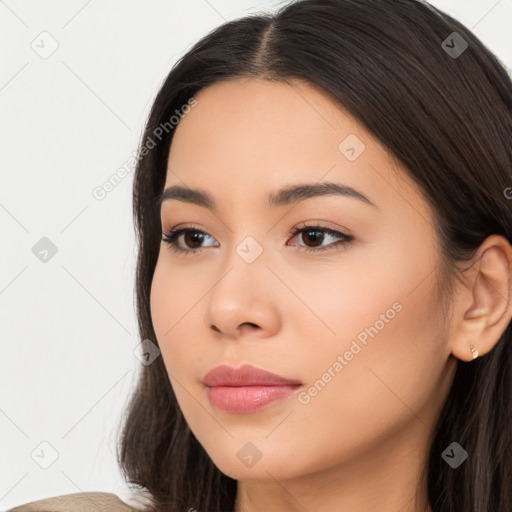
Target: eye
x=191 y=236
x=316 y=235
x=313 y=234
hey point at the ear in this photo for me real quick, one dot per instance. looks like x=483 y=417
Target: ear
x=485 y=308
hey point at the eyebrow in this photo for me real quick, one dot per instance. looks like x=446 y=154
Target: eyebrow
x=285 y=196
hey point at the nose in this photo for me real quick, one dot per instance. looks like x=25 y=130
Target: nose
x=242 y=303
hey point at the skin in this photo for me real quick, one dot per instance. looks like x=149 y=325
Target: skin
x=360 y=443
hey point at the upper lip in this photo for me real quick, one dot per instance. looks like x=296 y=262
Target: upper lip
x=246 y=375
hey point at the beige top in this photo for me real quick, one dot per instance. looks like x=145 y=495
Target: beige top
x=78 y=502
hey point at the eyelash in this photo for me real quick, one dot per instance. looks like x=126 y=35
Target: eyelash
x=172 y=236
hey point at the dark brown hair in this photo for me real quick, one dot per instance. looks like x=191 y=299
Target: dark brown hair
x=447 y=118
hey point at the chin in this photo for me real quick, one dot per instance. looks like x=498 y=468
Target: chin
x=243 y=460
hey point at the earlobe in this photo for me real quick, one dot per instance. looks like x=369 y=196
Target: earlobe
x=474 y=351
x=468 y=341
x=489 y=288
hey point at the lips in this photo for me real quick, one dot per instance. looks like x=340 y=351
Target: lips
x=246 y=375
x=246 y=389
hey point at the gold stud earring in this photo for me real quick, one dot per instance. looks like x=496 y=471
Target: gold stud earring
x=474 y=350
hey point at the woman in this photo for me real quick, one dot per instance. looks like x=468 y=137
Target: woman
x=324 y=216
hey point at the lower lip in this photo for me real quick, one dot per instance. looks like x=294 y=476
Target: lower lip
x=242 y=399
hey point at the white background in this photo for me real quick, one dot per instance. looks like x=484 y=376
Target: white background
x=68 y=122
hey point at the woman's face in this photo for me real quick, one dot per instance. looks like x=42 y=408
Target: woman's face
x=354 y=324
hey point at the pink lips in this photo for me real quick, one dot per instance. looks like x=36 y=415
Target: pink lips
x=246 y=389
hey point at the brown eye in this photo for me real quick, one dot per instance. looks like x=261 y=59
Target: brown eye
x=192 y=238
x=314 y=236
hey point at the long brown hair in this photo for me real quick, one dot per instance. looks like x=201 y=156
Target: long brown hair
x=442 y=104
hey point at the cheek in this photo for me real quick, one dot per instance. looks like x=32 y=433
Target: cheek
x=161 y=302
x=166 y=311
x=380 y=319
x=359 y=296
x=381 y=384
x=175 y=303
x=174 y=309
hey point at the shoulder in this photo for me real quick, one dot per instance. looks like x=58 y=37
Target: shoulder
x=78 y=502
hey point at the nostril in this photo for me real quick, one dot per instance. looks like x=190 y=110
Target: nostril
x=248 y=326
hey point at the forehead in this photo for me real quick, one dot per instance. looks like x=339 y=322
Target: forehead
x=268 y=117
x=259 y=135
